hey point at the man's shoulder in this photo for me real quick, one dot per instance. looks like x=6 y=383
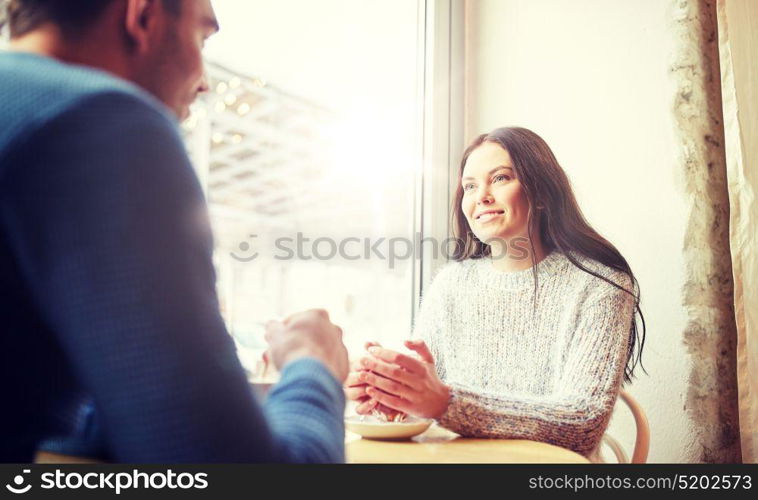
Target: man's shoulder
x=36 y=90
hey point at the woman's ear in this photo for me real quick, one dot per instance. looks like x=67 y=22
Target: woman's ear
x=140 y=22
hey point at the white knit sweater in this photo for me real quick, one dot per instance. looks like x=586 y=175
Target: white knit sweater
x=549 y=374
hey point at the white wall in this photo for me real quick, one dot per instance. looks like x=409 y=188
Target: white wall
x=592 y=78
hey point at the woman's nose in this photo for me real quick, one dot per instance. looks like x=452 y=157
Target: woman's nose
x=484 y=197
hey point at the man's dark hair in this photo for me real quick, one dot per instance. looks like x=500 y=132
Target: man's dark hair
x=73 y=16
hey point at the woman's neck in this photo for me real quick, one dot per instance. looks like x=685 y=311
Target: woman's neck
x=509 y=258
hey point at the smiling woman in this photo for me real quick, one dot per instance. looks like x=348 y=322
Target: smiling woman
x=494 y=203
x=529 y=345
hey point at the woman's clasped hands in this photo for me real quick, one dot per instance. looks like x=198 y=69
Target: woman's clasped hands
x=392 y=382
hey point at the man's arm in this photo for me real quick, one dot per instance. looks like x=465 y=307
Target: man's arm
x=110 y=228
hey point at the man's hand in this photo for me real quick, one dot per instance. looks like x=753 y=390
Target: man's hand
x=308 y=334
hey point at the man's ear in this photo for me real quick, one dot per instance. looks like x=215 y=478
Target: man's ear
x=140 y=22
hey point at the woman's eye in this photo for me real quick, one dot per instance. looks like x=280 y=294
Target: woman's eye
x=502 y=177
x=468 y=187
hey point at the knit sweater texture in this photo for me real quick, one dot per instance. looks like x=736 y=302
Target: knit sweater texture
x=545 y=370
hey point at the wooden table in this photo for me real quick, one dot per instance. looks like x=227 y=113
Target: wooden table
x=438 y=445
x=47 y=457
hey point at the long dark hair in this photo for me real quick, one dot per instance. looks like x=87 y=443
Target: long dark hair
x=559 y=220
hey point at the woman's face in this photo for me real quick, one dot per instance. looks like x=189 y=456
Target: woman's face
x=494 y=201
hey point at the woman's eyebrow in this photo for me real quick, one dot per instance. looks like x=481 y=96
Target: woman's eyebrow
x=468 y=177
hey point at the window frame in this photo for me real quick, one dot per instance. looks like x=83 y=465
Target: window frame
x=442 y=53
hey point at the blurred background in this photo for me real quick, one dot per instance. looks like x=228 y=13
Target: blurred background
x=311 y=127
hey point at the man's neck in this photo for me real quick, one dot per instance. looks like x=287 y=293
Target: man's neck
x=41 y=42
x=48 y=41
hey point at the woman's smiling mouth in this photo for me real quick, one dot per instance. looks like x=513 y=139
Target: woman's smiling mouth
x=488 y=215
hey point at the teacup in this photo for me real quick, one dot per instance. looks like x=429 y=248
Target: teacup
x=261 y=389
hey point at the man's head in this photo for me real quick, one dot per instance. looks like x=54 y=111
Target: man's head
x=157 y=44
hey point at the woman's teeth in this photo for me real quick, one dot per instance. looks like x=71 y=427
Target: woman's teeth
x=489 y=216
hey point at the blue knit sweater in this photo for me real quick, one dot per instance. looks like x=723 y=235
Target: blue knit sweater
x=107 y=289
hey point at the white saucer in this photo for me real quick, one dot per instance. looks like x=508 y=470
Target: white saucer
x=370 y=428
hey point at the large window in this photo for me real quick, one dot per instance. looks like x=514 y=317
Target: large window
x=310 y=147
